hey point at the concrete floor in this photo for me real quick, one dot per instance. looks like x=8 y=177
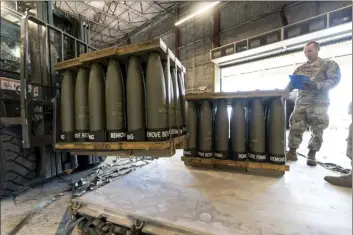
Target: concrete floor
x=226 y=203
x=48 y=219
x=333 y=149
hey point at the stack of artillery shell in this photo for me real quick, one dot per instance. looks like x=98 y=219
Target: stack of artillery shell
x=257 y=147
x=238 y=130
x=276 y=132
x=108 y=107
x=96 y=103
x=177 y=103
x=81 y=106
x=221 y=131
x=172 y=117
x=156 y=100
x=67 y=107
x=205 y=131
x=181 y=86
x=168 y=89
x=115 y=103
x=256 y=137
x=191 y=127
x=135 y=101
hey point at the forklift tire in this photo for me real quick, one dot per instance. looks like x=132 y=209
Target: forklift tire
x=18 y=165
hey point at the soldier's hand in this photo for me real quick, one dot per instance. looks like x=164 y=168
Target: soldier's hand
x=310 y=86
x=285 y=96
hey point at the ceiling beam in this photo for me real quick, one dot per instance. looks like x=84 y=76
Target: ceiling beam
x=107 y=35
x=110 y=15
x=165 y=9
x=116 y=5
x=100 y=24
x=129 y=8
x=108 y=12
x=126 y=37
x=108 y=24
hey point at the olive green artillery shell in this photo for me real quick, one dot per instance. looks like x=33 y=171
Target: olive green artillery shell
x=205 y=130
x=238 y=127
x=81 y=105
x=221 y=131
x=67 y=106
x=257 y=147
x=96 y=103
x=167 y=81
x=156 y=100
x=178 y=118
x=135 y=101
x=181 y=86
x=114 y=102
x=174 y=128
x=191 y=125
x=276 y=129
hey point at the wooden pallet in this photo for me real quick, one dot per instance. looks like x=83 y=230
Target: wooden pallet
x=124 y=148
x=122 y=54
x=68 y=64
x=233 y=95
x=242 y=166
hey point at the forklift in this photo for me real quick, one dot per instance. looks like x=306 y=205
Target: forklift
x=33 y=37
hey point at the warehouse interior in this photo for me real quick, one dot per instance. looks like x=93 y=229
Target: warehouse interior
x=236 y=203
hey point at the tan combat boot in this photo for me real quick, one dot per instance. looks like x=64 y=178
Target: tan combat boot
x=343 y=181
x=291 y=155
x=311 y=158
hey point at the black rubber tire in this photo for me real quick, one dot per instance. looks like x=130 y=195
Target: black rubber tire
x=18 y=165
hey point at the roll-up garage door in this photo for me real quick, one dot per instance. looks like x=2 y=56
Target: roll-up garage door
x=272 y=72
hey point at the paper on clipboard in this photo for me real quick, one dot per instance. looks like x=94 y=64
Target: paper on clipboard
x=298 y=81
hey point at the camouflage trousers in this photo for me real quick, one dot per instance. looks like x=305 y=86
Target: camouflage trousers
x=315 y=116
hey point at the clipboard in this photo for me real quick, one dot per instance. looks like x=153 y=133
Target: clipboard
x=298 y=81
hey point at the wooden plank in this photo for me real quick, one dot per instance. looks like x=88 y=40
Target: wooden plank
x=97 y=55
x=233 y=95
x=153 y=45
x=268 y=166
x=67 y=64
x=122 y=53
x=111 y=145
x=219 y=164
x=123 y=145
x=128 y=153
x=195 y=160
x=230 y=163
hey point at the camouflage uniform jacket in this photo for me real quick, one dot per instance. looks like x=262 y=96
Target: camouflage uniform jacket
x=325 y=74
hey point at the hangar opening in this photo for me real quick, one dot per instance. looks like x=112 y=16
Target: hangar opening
x=264 y=62
x=272 y=73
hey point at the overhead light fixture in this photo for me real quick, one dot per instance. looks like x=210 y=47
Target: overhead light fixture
x=198 y=12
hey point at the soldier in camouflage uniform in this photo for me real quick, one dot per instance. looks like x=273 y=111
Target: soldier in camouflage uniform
x=344 y=180
x=312 y=102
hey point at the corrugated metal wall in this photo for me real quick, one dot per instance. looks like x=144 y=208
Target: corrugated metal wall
x=239 y=20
